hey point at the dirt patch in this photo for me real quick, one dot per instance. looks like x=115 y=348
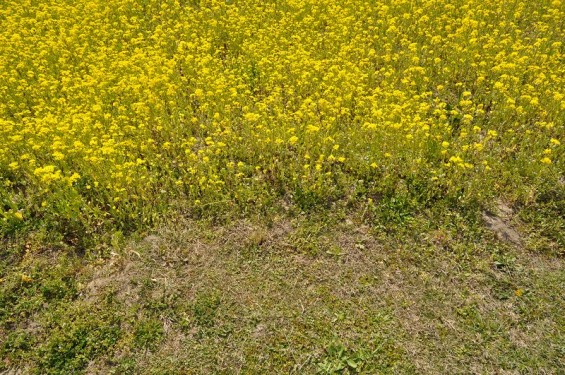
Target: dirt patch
x=116 y=276
x=500 y=223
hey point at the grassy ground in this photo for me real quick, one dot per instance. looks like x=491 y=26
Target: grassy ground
x=297 y=186
x=322 y=292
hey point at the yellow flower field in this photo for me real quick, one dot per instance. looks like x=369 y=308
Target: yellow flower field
x=112 y=112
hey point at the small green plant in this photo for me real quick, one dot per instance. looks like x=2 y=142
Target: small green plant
x=340 y=360
x=205 y=308
x=70 y=349
x=148 y=334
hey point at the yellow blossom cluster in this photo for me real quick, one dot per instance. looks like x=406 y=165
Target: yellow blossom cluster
x=113 y=110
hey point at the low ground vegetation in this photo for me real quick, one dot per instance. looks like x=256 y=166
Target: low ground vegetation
x=282 y=186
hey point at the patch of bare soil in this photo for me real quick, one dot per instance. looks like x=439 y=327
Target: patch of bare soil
x=500 y=222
